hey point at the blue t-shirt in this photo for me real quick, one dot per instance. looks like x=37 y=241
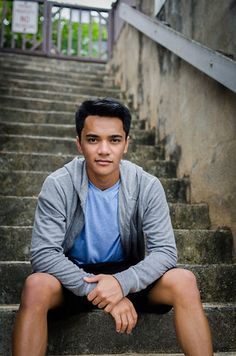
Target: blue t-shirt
x=99 y=241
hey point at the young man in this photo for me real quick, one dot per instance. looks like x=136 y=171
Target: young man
x=103 y=237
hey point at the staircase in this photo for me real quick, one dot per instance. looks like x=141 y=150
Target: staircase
x=38 y=98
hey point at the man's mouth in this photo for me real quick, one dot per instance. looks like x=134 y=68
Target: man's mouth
x=103 y=161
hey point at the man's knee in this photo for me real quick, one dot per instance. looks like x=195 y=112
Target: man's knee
x=40 y=290
x=184 y=285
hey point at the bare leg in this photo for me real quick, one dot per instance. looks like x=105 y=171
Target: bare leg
x=41 y=292
x=178 y=287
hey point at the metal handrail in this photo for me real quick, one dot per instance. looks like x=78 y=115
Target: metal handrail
x=212 y=63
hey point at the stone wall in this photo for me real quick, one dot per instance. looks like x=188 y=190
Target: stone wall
x=194 y=115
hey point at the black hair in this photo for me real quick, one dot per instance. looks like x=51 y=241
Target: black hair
x=107 y=107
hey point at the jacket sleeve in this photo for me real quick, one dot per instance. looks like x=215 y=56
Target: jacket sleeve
x=47 y=254
x=161 y=254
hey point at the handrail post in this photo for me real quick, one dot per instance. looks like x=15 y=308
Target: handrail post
x=2 y=23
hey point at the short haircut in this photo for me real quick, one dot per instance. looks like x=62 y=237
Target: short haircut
x=107 y=107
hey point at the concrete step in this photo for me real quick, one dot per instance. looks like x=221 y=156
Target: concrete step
x=49 y=71
x=194 y=246
x=160 y=168
x=75 y=334
x=26 y=183
x=49 y=90
x=19 y=211
x=19 y=128
x=216 y=282
x=145 y=137
x=21 y=102
x=46 y=63
x=16 y=161
x=155 y=354
x=204 y=246
x=52 y=95
x=68 y=78
x=62 y=145
x=13 y=114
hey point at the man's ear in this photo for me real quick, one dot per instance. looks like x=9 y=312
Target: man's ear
x=126 y=144
x=78 y=145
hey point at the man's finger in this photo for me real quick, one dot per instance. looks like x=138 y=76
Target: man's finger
x=118 y=323
x=135 y=316
x=96 y=301
x=101 y=305
x=108 y=308
x=131 y=323
x=92 y=279
x=92 y=295
x=124 y=323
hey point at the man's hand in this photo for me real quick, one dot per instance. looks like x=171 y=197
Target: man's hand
x=107 y=293
x=125 y=316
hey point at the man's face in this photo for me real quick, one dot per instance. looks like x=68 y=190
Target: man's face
x=103 y=144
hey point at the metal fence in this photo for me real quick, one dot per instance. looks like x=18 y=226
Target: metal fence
x=63 y=31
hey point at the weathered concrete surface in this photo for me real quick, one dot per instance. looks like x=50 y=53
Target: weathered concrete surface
x=216 y=282
x=194 y=115
x=154 y=333
x=194 y=246
x=19 y=211
x=28 y=183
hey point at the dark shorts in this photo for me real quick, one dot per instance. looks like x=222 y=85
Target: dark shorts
x=73 y=303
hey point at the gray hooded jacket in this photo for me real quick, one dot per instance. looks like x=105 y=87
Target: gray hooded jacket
x=145 y=227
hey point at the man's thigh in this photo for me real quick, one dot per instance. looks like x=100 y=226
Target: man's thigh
x=142 y=302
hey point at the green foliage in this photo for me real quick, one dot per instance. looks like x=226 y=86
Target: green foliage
x=80 y=35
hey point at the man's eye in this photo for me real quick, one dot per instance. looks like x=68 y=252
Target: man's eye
x=115 y=140
x=92 y=140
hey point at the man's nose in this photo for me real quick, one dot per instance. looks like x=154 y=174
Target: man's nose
x=104 y=148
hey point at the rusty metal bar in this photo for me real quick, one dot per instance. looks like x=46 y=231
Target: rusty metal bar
x=90 y=35
x=73 y=6
x=79 y=33
x=69 y=40
x=4 y=10
x=23 y=45
x=100 y=35
x=13 y=41
x=59 y=32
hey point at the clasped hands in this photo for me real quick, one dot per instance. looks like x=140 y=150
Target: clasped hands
x=108 y=295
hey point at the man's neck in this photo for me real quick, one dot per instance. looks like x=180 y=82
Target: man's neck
x=103 y=183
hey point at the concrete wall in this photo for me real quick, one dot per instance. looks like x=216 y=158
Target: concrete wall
x=194 y=115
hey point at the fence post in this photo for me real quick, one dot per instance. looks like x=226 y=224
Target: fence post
x=2 y=24
x=110 y=40
x=47 y=10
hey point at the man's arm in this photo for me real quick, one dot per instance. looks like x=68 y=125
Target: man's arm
x=161 y=254
x=47 y=254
